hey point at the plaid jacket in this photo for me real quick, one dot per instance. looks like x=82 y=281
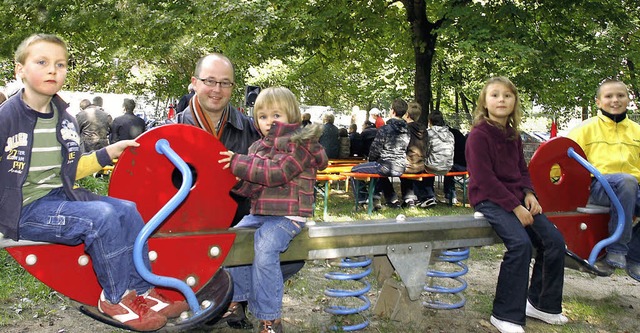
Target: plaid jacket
x=279 y=172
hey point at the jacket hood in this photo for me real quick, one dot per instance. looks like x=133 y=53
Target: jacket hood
x=307 y=137
x=416 y=130
x=398 y=125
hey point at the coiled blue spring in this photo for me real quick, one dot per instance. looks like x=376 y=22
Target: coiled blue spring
x=349 y=263
x=456 y=257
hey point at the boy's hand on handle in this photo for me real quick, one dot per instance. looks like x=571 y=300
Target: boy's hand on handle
x=115 y=149
x=227 y=159
x=532 y=204
x=523 y=215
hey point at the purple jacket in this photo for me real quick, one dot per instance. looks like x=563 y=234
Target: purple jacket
x=279 y=172
x=496 y=165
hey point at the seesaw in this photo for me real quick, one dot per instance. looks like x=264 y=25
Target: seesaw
x=182 y=192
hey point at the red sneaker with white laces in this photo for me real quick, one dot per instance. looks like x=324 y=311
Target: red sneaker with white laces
x=133 y=312
x=164 y=306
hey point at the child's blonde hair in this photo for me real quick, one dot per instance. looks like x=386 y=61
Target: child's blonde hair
x=609 y=81
x=22 y=50
x=414 y=110
x=278 y=97
x=482 y=114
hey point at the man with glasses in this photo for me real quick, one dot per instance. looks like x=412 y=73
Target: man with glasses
x=211 y=110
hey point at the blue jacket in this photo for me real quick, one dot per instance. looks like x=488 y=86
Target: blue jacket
x=16 y=134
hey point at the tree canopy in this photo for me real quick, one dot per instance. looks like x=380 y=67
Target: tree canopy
x=343 y=53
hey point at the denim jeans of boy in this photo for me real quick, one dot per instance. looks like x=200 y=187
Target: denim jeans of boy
x=262 y=283
x=382 y=185
x=449 y=183
x=424 y=188
x=545 y=289
x=108 y=229
x=625 y=187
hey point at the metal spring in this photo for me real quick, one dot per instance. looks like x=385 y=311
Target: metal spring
x=456 y=257
x=360 y=294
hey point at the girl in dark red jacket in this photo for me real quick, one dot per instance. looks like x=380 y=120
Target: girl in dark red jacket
x=278 y=174
x=500 y=188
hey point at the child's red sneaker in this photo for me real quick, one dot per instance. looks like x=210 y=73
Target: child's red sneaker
x=164 y=306
x=133 y=312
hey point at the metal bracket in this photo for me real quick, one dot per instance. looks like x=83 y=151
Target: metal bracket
x=411 y=261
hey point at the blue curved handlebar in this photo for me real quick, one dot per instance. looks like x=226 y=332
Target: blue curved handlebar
x=162 y=147
x=612 y=197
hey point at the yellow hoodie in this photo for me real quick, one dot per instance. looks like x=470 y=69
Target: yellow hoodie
x=611 y=147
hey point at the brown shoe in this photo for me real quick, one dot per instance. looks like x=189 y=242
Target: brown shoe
x=164 y=306
x=271 y=326
x=133 y=312
x=236 y=317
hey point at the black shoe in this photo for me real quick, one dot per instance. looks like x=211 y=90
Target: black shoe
x=428 y=203
x=604 y=268
x=235 y=317
x=394 y=205
x=409 y=204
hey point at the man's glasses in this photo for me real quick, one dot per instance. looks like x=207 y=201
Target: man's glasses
x=213 y=83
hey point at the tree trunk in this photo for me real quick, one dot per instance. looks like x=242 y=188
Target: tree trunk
x=424 y=37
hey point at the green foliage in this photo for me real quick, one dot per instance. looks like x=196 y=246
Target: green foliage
x=20 y=292
x=343 y=53
x=98 y=185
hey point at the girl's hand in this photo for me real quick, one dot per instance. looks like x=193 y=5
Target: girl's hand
x=115 y=149
x=227 y=159
x=532 y=204
x=523 y=215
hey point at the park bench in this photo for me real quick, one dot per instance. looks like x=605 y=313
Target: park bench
x=371 y=179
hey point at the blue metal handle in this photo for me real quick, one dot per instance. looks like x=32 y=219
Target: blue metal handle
x=162 y=147
x=612 y=197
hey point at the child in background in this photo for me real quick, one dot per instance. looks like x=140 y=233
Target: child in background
x=345 y=143
x=415 y=153
x=278 y=174
x=610 y=142
x=438 y=159
x=387 y=156
x=500 y=189
x=38 y=167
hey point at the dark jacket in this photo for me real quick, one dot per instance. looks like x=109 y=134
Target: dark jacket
x=460 y=141
x=184 y=101
x=279 y=172
x=355 y=144
x=239 y=132
x=330 y=140
x=496 y=165
x=389 y=148
x=18 y=121
x=368 y=135
x=417 y=147
x=94 y=127
x=126 y=127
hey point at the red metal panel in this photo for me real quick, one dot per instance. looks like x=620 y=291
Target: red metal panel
x=563 y=189
x=150 y=180
x=581 y=231
x=179 y=256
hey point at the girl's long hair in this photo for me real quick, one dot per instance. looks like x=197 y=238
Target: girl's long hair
x=482 y=113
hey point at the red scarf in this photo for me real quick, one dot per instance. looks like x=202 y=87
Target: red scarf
x=203 y=120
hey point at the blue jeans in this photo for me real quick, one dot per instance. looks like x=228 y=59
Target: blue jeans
x=449 y=183
x=262 y=283
x=108 y=229
x=382 y=185
x=547 y=278
x=625 y=187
